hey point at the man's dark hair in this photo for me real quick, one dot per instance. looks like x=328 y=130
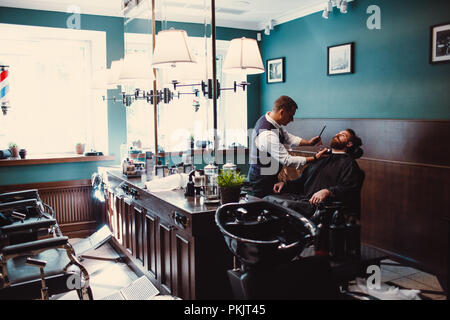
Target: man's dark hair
x=284 y=102
x=355 y=150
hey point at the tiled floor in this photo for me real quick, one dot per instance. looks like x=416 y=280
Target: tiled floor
x=394 y=274
x=410 y=278
x=106 y=277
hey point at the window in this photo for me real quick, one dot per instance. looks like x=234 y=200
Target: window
x=140 y=115
x=188 y=114
x=52 y=103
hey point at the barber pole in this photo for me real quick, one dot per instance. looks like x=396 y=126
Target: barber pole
x=4 y=88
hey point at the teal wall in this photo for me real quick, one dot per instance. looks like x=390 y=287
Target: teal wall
x=114 y=28
x=49 y=172
x=393 y=77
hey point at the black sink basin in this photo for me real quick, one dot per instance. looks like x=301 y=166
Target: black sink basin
x=261 y=233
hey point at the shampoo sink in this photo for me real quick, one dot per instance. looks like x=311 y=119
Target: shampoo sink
x=261 y=233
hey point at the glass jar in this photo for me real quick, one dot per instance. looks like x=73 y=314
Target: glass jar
x=211 y=190
x=229 y=167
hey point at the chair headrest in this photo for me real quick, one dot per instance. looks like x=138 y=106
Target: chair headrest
x=356 y=153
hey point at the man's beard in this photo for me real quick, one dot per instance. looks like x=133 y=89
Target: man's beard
x=338 y=145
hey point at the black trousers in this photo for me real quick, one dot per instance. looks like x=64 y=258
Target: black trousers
x=262 y=185
x=299 y=203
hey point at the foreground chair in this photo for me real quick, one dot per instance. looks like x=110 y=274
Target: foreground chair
x=40 y=269
x=24 y=217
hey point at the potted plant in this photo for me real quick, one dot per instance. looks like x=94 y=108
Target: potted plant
x=79 y=148
x=14 y=149
x=230 y=183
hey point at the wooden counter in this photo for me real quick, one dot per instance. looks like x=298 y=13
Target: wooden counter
x=171 y=238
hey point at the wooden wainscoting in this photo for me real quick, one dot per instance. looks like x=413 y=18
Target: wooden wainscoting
x=76 y=212
x=405 y=196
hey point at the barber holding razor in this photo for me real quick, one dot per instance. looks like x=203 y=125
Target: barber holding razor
x=268 y=154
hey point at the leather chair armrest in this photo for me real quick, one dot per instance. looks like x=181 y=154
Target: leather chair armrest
x=27 y=225
x=18 y=204
x=35 y=246
x=19 y=195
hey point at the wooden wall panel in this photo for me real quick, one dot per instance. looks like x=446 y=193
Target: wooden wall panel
x=402 y=211
x=164 y=246
x=150 y=244
x=182 y=277
x=405 y=195
x=76 y=212
x=412 y=141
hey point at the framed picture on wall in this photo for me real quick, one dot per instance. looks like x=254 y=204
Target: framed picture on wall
x=340 y=59
x=275 y=70
x=440 y=43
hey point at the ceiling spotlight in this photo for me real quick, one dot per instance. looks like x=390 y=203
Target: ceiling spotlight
x=329 y=6
x=343 y=6
x=325 y=13
x=267 y=30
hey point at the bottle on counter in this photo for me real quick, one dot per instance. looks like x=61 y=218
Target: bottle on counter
x=149 y=165
x=211 y=191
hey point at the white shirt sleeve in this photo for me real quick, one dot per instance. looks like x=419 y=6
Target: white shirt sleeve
x=268 y=141
x=291 y=139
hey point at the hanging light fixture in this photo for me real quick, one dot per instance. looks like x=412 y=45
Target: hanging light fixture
x=100 y=79
x=171 y=49
x=343 y=6
x=113 y=73
x=243 y=57
x=136 y=66
x=129 y=71
x=329 y=6
x=191 y=71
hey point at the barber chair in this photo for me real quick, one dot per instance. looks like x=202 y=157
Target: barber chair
x=24 y=217
x=338 y=236
x=33 y=268
x=268 y=240
x=40 y=269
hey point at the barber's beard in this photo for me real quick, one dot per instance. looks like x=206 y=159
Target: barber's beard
x=338 y=145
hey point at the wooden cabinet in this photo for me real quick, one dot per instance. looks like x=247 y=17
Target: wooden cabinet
x=168 y=243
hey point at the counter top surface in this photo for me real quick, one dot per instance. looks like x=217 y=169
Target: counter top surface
x=176 y=198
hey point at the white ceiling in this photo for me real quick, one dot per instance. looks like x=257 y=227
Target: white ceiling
x=244 y=14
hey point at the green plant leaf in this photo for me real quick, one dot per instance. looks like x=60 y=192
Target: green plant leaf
x=230 y=179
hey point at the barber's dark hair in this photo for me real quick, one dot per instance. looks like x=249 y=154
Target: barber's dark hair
x=284 y=102
x=355 y=150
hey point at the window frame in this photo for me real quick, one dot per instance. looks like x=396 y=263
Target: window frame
x=95 y=42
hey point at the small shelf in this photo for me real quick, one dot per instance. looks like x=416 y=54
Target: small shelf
x=47 y=159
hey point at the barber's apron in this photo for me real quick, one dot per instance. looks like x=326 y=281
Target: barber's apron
x=262 y=184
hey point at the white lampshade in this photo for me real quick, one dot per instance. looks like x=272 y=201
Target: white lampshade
x=136 y=66
x=100 y=80
x=243 y=57
x=191 y=71
x=114 y=72
x=171 y=47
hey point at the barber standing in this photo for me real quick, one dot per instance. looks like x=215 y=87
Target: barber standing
x=268 y=154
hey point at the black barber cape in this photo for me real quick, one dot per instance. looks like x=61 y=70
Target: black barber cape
x=338 y=173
